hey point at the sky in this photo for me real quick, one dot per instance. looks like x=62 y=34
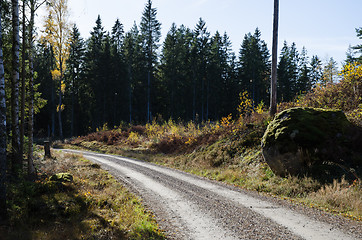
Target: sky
x=324 y=27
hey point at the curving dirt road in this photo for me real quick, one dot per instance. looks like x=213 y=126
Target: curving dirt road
x=190 y=207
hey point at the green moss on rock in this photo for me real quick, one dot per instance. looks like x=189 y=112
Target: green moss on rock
x=61 y=177
x=299 y=138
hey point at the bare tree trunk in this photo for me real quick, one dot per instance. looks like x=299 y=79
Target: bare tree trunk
x=130 y=92
x=53 y=105
x=23 y=76
x=60 y=98
x=3 y=212
x=60 y=109
x=31 y=168
x=72 y=111
x=148 y=95
x=15 y=141
x=273 y=92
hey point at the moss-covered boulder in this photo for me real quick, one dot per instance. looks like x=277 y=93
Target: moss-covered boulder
x=62 y=177
x=300 y=138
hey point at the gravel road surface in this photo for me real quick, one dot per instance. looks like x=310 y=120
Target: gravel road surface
x=190 y=207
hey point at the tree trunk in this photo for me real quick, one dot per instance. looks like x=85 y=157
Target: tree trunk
x=60 y=99
x=130 y=92
x=3 y=212
x=273 y=92
x=31 y=168
x=23 y=76
x=15 y=140
x=148 y=95
x=72 y=110
x=53 y=105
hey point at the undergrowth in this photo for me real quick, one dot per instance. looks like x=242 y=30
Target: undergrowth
x=229 y=150
x=92 y=205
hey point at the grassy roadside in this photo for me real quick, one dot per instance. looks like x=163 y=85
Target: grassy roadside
x=90 y=204
x=227 y=151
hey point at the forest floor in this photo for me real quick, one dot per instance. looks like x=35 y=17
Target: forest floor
x=230 y=152
x=91 y=204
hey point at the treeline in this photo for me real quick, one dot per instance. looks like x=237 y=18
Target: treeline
x=120 y=77
x=115 y=77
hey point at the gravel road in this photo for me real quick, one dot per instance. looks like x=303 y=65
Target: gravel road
x=190 y=207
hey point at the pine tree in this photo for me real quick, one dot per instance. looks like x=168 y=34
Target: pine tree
x=330 y=72
x=31 y=167
x=151 y=33
x=15 y=140
x=23 y=76
x=3 y=167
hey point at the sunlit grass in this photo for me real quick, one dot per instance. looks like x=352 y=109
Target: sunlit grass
x=93 y=206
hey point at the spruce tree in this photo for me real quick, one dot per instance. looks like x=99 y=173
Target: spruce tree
x=93 y=74
x=316 y=71
x=358 y=48
x=73 y=75
x=288 y=72
x=254 y=70
x=151 y=34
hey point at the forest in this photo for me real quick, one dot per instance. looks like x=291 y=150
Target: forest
x=116 y=77
x=56 y=84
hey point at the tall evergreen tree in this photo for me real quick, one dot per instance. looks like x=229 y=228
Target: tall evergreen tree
x=358 y=48
x=23 y=76
x=199 y=57
x=168 y=69
x=151 y=33
x=120 y=86
x=288 y=72
x=117 y=35
x=220 y=82
x=304 y=83
x=136 y=65
x=254 y=71
x=73 y=75
x=3 y=208
x=15 y=140
x=31 y=168
x=316 y=71
x=93 y=73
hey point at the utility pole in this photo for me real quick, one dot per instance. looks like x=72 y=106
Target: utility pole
x=273 y=92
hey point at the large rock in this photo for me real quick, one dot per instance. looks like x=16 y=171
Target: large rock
x=300 y=138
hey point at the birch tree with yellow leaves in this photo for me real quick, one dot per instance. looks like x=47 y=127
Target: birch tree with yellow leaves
x=57 y=33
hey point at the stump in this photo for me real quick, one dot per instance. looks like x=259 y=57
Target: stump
x=47 y=149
